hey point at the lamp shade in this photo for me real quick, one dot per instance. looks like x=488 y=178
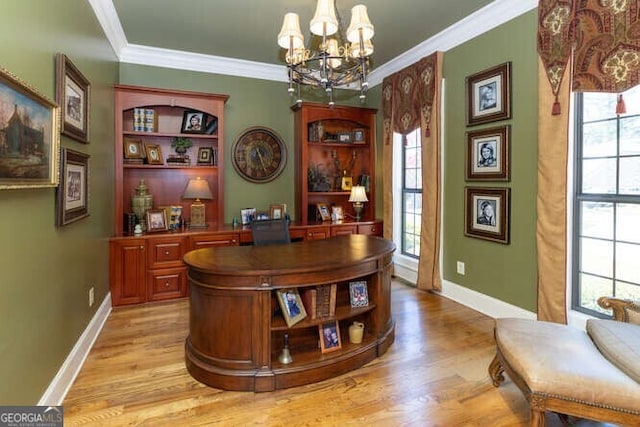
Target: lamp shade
x=359 y=21
x=358 y=194
x=291 y=32
x=355 y=49
x=325 y=14
x=197 y=189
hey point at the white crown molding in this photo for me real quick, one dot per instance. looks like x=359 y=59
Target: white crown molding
x=146 y=55
x=105 y=11
x=485 y=19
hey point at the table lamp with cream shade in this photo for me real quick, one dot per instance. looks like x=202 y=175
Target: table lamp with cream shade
x=197 y=189
x=358 y=196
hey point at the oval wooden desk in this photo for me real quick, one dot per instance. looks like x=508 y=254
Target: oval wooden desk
x=236 y=331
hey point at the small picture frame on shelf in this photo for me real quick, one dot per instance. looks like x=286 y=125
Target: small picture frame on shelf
x=337 y=213
x=329 y=336
x=247 y=215
x=347 y=183
x=205 y=156
x=358 y=293
x=277 y=211
x=323 y=211
x=291 y=306
x=212 y=125
x=156 y=220
x=344 y=137
x=154 y=154
x=358 y=136
x=133 y=149
x=193 y=122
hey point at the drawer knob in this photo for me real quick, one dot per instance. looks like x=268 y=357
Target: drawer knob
x=166 y=252
x=166 y=284
x=141 y=247
x=373 y=229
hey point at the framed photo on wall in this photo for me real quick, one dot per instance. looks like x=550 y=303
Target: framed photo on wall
x=73 y=95
x=489 y=95
x=33 y=161
x=487 y=155
x=72 y=195
x=487 y=213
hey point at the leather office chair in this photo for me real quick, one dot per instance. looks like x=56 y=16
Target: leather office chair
x=270 y=232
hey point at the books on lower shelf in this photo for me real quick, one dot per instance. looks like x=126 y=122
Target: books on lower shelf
x=320 y=301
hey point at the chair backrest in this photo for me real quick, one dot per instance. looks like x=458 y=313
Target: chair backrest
x=270 y=231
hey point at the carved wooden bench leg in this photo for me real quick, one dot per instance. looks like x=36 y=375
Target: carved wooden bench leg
x=537 y=418
x=496 y=371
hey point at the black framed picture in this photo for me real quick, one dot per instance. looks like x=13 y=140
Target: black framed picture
x=194 y=122
x=487 y=213
x=489 y=95
x=72 y=195
x=487 y=155
x=73 y=95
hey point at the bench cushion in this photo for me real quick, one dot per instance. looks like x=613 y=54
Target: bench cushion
x=619 y=342
x=562 y=361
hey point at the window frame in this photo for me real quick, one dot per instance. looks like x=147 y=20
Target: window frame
x=413 y=191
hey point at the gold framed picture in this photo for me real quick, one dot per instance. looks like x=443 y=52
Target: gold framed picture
x=323 y=212
x=154 y=154
x=291 y=305
x=156 y=220
x=133 y=149
x=329 y=336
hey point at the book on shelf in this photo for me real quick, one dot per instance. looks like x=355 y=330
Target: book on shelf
x=326 y=300
x=309 y=298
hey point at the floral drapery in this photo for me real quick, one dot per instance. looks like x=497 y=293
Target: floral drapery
x=599 y=41
x=410 y=100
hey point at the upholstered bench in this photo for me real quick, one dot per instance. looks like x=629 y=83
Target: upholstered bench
x=593 y=374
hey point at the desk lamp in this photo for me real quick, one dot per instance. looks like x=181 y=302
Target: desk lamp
x=358 y=197
x=197 y=189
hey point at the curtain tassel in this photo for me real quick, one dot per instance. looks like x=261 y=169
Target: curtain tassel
x=621 y=108
x=427 y=132
x=555 y=110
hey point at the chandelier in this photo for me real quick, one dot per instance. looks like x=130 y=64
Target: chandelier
x=330 y=60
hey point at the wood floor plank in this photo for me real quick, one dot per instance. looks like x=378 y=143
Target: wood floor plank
x=435 y=374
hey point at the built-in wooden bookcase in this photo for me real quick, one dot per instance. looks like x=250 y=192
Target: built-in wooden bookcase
x=166 y=182
x=332 y=143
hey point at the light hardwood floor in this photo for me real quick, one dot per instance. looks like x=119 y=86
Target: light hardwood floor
x=435 y=374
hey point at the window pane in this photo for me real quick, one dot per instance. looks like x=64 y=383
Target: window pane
x=630 y=175
x=627 y=291
x=627 y=256
x=597 y=220
x=597 y=257
x=598 y=105
x=599 y=176
x=592 y=288
x=599 y=139
x=627 y=219
x=629 y=136
x=410 y=178
x=411 y=159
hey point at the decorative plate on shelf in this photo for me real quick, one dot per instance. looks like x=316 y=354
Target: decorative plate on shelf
x=259 y=155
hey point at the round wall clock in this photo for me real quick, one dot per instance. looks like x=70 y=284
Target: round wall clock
x=259 y=155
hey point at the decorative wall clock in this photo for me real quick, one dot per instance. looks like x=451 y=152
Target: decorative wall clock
x=259 y=155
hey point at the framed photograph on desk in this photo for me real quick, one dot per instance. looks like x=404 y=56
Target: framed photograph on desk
x=291 y=305
x=329 y=337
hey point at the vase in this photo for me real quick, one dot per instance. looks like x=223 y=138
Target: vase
x=141 y=202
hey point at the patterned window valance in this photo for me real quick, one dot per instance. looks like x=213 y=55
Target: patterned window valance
x=604 y=37
x=407 y=98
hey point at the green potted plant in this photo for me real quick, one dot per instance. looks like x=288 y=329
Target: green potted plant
x=180 y=145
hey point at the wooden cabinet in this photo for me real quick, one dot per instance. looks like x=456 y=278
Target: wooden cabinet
x=245 y=356
x=335 y=148
x=167 y=114
x=127 y=271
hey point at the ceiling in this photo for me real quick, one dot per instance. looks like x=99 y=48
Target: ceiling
x=222 y=35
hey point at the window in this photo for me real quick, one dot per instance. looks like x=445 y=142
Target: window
x=607 y=200
x=411 y=192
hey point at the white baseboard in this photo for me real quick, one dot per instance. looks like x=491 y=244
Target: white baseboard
x=406 y=269
x=57 y=390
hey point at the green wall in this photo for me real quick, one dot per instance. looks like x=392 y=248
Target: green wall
x=46 y=272
x=251 y=102
x=505 y=272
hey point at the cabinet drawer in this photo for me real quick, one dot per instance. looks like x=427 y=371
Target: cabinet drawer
x=166 y=252
x=341 y=230
x=317 y=233
x=371 y=229
x=217 y=239
x=167 y=284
